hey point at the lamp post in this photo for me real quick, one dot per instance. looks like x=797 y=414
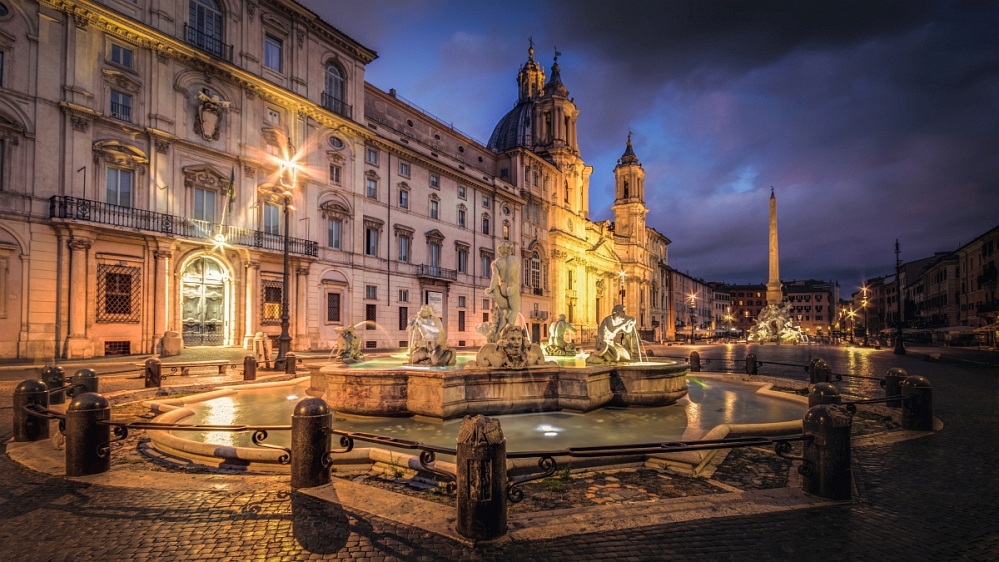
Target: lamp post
x=863 y=306
x=899 y=348
x=693 y=310
x=287 y=178
x=621 y=292
x=851 y=314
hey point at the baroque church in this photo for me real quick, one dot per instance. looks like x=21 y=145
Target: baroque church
x=157 y=159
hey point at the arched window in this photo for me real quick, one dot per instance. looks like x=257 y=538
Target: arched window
x=536 y=270
x=333 y=97
x=204 y=27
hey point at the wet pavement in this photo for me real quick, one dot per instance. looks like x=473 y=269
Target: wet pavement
x=932 y=498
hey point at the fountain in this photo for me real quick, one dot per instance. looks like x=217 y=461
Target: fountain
x=558 y=346
x=428 y=340
x=348 y=346
x=775 y=324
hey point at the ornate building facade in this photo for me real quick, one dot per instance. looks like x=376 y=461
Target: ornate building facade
x=153 y=154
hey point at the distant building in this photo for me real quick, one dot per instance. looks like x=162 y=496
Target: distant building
x=746 y=301
x=813 y=305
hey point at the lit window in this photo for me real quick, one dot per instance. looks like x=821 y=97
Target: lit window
x=121 y=106
x=121 y=55
x=335 y=173
x=536 y=270
x=506 y=230
x=272 y=302
x=272 y=53
x=119 y=187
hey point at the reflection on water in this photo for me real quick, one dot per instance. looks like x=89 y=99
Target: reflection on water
x=719 y=402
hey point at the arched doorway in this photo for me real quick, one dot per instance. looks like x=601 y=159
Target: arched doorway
x=203 y=302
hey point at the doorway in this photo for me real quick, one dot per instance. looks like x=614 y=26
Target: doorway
x=203 y=302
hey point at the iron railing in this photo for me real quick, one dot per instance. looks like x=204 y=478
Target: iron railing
x=428 y=453
x=425 y=270
x=121 y=111
x=337 y=106
x=207 y=43
x=73 y=208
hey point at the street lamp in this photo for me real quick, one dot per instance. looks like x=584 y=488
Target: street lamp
x=287 y=179
x=899 y=348
x=852 y=315
x=863 y=306
x=693 y=310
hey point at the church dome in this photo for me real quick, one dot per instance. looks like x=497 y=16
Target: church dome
x=513 y=129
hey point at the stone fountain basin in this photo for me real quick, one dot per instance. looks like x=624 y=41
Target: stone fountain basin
x=451 y=393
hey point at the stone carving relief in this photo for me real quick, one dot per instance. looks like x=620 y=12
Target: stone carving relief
x=80 y=124
x=204 y=176
x=209 y=116
x=118 y=154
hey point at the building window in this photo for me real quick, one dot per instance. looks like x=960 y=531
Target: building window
x=506 y=230
x=486 y=261
x=333 y=307
x=119 y=187
x=335 y=142
x=485 y=201
x=120 y=55
x=273 y=116
x=534 y=179
x=370 y=316
x=461 y=192
x=121 y=106
x=271 y=302
x=535 y=270
x=403 y=295
x=204 y=28
x=435 y=255
x=272 y=219
x=371 y=241
x=118 y=294
x=434 y=210
x=334 y=229
x=405 y=243
x=462 y=263
x=335 y=174
x=461 y=301
x=403 y=317
x=333 y=97
x=371 y=156
x=435 y=181
x=485 y=224
x=404 y=169
x=371 y=292
x=403 y=199
x=204 y=204
x=272 y=53
x=462 y=220
x=461 y=320
x=372 y=189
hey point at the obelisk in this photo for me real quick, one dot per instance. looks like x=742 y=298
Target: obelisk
x=774 y=295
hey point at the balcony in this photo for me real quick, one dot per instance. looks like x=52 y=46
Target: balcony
x=207 y=43
x=121 y=112
x=435 y=272
x=72 y=208
x=537 y=291
x=539 y=314
x=337 y=106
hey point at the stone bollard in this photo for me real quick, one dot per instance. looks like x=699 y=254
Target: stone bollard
x=54 y=379
x=88 y=442
x=893 y=385
x=153 y=373
x=482 y=479
x=26 y=426
x=823 y=393
x=695 y=362
x=83 y=380
x=310 y=443
x=290 y=363
x=249 y=368
x=917 y=411
x=819 y=371
x=826 y=452
x=752 y=367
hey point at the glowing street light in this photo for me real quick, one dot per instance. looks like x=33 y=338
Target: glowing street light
x=287 y=180
x=693 y=310
x=622 y=274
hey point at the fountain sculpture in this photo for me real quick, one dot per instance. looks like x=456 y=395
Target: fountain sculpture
x=607 y=349
x=557 y=344
x=348 y=346
x=428 y=340
x=504 y=287
x=775 y=324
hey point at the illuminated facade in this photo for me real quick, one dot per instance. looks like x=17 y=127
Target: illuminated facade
x=144 y=175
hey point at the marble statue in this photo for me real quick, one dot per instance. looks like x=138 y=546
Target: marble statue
x=348 y=346
x=513 y=350
x=504 y=287
x=428 y=340
x=607 y=350
x=556 y=338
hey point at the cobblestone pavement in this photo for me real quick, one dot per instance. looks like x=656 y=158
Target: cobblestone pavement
x=933 y=498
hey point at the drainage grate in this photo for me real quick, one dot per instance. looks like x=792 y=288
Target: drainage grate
x=117 y=348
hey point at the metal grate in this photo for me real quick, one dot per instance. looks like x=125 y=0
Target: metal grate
x=271 y=302
x=119 y=296
x=117 y=348
x=370 y=344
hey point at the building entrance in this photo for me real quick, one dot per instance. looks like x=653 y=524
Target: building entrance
x=203 y=303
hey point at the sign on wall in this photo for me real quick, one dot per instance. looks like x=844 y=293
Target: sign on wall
x=436 y=300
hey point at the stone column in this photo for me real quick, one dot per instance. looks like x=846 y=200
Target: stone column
x=252 y=274
x=77 y=345
x=162 y=287
x=301 y=342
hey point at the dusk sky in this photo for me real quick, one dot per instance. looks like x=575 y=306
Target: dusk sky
x=872 y=120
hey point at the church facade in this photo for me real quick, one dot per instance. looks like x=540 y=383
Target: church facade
x=153 y=156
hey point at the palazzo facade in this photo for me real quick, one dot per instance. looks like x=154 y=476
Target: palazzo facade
x=154 y=153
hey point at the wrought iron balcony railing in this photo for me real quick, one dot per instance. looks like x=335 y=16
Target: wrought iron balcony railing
x=121 y=112
x=337 y=106
x=207 y=43
x=72 y=208
x=436 y=272
x=539 y=314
